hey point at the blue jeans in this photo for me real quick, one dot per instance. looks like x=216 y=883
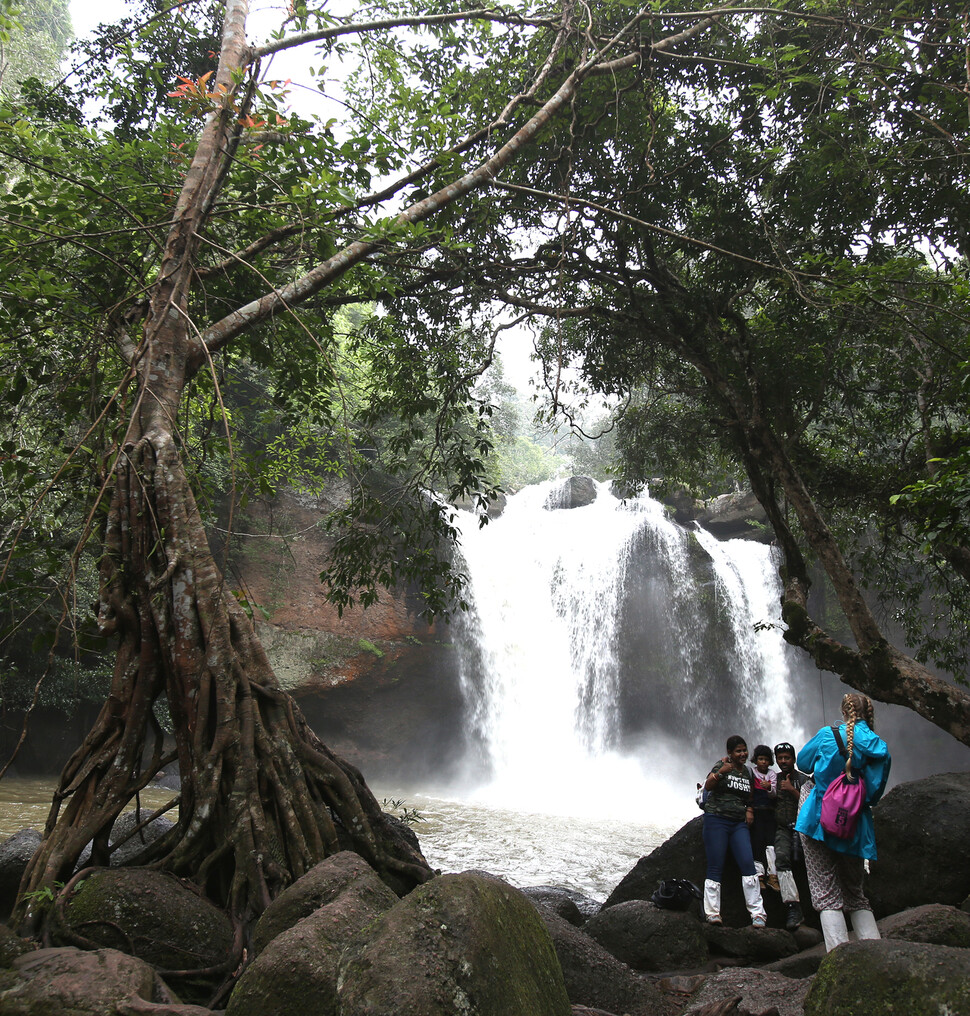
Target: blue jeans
x=719 y=834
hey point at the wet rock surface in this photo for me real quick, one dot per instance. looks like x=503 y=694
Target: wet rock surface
x=923 y=838
x=155 y=917
x=889 y=976
x=645 y=937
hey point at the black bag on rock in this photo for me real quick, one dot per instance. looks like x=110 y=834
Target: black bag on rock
x=675 y=894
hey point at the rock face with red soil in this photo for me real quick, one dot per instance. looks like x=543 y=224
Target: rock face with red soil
x=379 y=686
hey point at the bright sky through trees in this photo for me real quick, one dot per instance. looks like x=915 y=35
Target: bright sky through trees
x=515 y=347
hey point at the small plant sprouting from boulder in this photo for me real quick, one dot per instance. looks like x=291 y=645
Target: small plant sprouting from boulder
x=409 y=816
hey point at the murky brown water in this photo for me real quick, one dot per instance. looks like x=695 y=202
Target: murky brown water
x=588 y=855
x=25 y=802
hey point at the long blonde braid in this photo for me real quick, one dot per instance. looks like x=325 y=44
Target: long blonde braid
x=854 y=708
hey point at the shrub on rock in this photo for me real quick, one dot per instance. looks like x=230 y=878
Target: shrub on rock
x=457 y=944
x=882 y=976
x=645 y=937
x=156 y=917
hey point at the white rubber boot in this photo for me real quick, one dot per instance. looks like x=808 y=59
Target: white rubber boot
x=752 y=900
x=789 y=891
x=834 y=928
x=864 y=925
x=712 y=901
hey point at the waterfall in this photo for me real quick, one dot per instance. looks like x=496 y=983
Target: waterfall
x=608 y=653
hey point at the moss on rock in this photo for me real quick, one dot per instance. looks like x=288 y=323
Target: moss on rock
x=884 y=977
x=460 y=945
x=155 y=916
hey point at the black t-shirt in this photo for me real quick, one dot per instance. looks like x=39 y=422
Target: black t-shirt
x=731 y=795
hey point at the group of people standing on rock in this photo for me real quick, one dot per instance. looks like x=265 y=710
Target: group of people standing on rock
x=768 y=818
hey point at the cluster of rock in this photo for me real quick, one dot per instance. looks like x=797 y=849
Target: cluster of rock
x=339 y=942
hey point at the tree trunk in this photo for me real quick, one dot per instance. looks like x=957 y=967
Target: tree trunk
x=262 y=800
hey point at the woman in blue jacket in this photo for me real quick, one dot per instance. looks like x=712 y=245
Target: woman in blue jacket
x=836 y=867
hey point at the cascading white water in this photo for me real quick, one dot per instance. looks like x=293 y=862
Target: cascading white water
x=551 y=655
x=746 y=577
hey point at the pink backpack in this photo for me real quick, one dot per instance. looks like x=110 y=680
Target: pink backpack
x=842 y=801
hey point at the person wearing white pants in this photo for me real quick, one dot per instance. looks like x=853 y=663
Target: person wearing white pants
x=836 y=865
x=727 y=816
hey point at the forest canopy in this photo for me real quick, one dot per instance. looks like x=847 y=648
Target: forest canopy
x=742 y=228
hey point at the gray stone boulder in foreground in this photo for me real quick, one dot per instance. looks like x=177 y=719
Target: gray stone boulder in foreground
x=575 y=906
x=754 y=991
x=296 y=971
x=158 y=918
x=73 y=982
x=15 y=854
x=458 y=944
x=320 y=886
x=923 y=839
x=884 y=976
x=645 y=937
x=934 y=923
x=595 y=978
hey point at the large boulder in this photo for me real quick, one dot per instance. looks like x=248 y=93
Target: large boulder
x=12 y=946
x=131 y=843
x=645 y=937
x=320 y=886
x=576 y=492
x=73 y=982
x=934 y=923
x=575 y=906
x=15 y=854
x=457 y=944
x=296 y=971
x=735 y=516
x=682 y=856
x=158 y=918
x=596 y=978
x=923 y=839
x=883 y=976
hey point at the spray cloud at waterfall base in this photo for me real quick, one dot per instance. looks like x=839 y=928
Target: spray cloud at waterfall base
x=608 y=653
